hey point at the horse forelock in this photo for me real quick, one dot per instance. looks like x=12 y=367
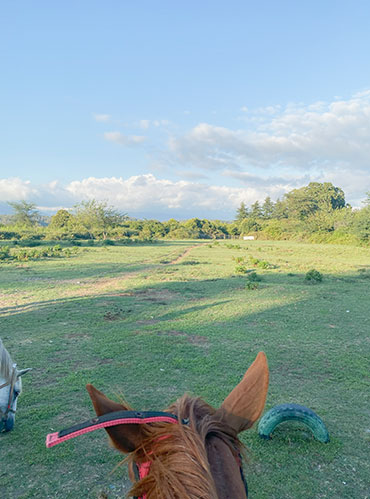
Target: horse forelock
x=177 y=453
x=6 y=363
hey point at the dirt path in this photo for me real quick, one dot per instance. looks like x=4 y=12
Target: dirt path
x=184 y=254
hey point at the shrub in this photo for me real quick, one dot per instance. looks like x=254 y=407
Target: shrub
x=262 y=264
x=45 y=252
x=5 y=253
x=253 y=277
x=313 y=276
x=251 y=285
x=241 y=268
x=233 y=246
x=7 y=234
x=108 y=242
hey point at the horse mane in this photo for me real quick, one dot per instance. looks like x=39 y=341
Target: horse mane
x=6 y=363
x=177 y=453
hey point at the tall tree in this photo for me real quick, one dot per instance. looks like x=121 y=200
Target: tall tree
x=280 y=209
x=304 y=202
x=61 y=219
x=256 y=211
x=241 y=212
x=25 y=213
x=268 y=208
x=98 y=217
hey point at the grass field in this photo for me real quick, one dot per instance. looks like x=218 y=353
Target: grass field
x=154 y=321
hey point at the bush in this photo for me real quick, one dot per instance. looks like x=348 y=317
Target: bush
x=5 y=253
x=251 y=285
x=253 y=277
x=313 y=276
x=108 y=242
x=262 y=264
x=6 y=234
x=45 y=252
x=233 y=246
x=241 y=268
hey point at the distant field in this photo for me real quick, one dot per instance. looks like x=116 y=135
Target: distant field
x=154 y=321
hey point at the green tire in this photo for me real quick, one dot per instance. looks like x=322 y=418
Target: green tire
x=293 y=412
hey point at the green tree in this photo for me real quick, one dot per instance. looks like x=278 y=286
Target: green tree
x=97 y=217
x=256 y=211
x=25 y=213
x=61 y=219
x=249 y=225
x=304 y=202
x=61 y=225
x=241 y=213
x=193 y=227
x=280 y=210
x=268 y=208
x=361 y=224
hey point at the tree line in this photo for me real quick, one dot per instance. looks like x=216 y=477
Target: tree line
x=317 y=212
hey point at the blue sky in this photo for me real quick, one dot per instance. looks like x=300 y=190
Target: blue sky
x=179 y=109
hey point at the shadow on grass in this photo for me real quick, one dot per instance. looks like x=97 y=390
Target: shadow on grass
x=160 y=339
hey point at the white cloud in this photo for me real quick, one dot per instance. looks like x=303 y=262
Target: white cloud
x=103 y=118
x=323 y=140
x=14 y=189
x=150 y=197
x=301 y=137
x=142 y=195
x=124 y=140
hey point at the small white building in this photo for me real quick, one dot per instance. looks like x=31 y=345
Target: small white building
x=248 y=238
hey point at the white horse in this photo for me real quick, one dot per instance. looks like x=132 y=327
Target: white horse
x=10 y=388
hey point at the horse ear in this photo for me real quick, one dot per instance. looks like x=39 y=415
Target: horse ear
x=126 y=437
x=244 y=405
x=22 y=372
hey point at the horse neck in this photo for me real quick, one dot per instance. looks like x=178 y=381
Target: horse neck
x=6 y=364
x=225 y=469
x=190 y=461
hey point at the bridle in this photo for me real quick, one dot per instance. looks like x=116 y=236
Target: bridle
x=141 y=470
x=4 y=415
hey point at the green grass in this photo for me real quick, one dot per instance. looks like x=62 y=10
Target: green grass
x=117 y=317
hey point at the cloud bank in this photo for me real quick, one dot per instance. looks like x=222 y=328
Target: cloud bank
x=300 y=137
x=142 y=195
x=291 y=145
x=274 y=150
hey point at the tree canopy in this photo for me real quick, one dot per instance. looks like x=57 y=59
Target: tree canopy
x=25 y=213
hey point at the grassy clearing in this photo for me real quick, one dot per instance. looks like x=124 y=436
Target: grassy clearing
x=154 y=321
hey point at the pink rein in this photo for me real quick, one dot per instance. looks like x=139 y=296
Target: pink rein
x=112 y=419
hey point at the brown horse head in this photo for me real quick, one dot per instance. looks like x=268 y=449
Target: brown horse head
x=200 y=458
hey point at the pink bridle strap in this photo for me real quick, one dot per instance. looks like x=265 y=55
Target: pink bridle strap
x=107 y=420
